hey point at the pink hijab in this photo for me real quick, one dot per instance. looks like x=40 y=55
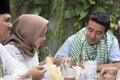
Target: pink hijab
x=26 y=30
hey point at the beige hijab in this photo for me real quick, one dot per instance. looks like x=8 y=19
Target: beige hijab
x=26 y=30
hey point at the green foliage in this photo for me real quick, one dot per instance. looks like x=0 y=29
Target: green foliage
x=58 y=12
x=36 y=10
x=92 y=1
x=13 y=9
x=69 y=12
x=49 y=34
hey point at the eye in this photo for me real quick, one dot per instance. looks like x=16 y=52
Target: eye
x=99 y=33
x=90 y=29
x=7 y=20
x=40 y=35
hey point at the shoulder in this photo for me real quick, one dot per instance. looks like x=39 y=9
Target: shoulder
x=13 y=50
x=70 y=39
x=11 y=47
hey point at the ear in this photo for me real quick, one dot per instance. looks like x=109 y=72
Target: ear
x=119 y=23
x=86 y=24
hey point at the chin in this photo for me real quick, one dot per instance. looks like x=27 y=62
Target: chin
x=92 y=43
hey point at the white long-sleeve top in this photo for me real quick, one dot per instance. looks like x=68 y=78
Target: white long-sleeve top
x=10 y=65
x=27 y=61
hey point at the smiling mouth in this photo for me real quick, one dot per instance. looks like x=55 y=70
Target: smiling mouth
x=91 y=40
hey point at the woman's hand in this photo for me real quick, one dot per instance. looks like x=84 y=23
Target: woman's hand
x=35 y=72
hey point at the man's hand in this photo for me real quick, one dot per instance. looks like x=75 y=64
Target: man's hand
x=58 y=61
x=108 y=73
x=66 y=59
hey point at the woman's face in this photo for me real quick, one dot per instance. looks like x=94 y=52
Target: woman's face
x=94 y=32
x=41 y=38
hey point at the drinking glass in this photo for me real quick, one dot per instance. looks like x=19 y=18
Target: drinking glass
x=70 y=73
x=90 y=70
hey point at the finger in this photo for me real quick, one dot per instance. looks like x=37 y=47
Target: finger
x=43 y=71
x=107 y=76
x=103 y=71
x=69 y=59
x=40 y=67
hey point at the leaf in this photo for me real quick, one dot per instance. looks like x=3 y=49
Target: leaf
x=83 y=14
x=99 y=8
x=113 y=25
x=69 y=12
x=78 y=9
x=101 y=3
x=86 y=4
x=92 y=1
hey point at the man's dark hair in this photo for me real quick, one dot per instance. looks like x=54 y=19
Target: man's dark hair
x=4 y=7
x=100 y=18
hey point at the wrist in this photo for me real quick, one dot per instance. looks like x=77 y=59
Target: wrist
x=26 y=75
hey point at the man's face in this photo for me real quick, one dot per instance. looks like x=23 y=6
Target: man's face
x=94 y=32
x=5 y=26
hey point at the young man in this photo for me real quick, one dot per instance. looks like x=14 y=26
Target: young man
x=93 y=42
x=5 y=23
x=10 y=66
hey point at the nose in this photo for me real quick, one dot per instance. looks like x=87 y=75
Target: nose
x=10 y=25
x=44 y=38
x=93 y=35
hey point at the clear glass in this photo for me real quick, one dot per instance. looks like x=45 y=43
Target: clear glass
x=70 y=73
x=90 y=70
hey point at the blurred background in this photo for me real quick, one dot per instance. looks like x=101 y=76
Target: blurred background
x=66 y=17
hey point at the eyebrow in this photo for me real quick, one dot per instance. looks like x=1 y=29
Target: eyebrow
x=100 y=31
x=93 y=29
x=8 y=18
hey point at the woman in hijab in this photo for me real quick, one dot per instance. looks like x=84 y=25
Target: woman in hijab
x=28 y=34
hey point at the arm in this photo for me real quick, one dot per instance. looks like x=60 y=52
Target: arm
x=116 y=64
x=114 y=56
x=114 y=51
x=64 y=51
